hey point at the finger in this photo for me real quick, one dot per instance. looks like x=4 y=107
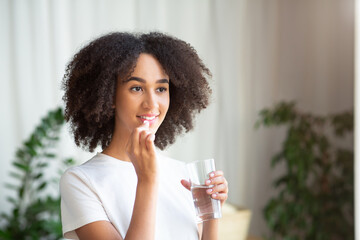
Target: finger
x=216 y=181
x=150 y=142
x=186 y=184
x=216 y=174
x=144 y=134
x=222 y=188
x=133 y=142
x=143 y=127
x=219 y=196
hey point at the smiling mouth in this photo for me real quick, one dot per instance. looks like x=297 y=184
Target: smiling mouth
x=148 y=118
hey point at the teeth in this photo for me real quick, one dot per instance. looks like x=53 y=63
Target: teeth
x=147 y=118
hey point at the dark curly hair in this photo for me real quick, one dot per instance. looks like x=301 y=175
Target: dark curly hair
x=90 y=83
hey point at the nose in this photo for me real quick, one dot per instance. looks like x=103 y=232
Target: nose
x=150 y=101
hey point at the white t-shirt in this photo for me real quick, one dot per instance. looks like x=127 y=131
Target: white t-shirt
x=104 y=188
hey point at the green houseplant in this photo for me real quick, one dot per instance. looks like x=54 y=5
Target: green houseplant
x=35 y=212
x=315 y=193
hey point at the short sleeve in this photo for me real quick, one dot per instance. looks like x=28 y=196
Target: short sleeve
x=80 y=204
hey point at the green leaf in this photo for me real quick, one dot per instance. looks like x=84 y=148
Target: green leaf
x=11 y=186
x=31 y=148
x=12 y=200
x=20 y=154
x=49 y=155
x=35 y=141
x=42 y=165
x=281 y=180
x=38 y=176
x=41 y=186
x=5 y=235
x=16 y=175
x=59 y=116
x=21 y=166
x=276 y=159
x=69 y=161
x=40 y=132
x=46 y=124
x=21 y=191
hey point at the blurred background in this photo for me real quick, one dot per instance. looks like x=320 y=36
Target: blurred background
x=259 y=51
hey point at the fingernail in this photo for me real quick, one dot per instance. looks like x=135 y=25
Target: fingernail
x=207 y=182
x=214 y=195
x=209 y=190
x=212 y=174
x=152 y=137
x=146 y=123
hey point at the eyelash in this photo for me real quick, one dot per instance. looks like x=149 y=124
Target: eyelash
x=137 y=89
x=134 y=89
x=164 y=89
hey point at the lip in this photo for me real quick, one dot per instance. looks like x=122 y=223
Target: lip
x=154 y=118
x=149 y=115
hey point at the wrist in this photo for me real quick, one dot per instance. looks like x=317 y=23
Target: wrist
x=210 y=229
x=148 y=180
x=210 y=222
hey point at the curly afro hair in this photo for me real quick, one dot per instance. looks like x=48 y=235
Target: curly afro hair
x=91 y=78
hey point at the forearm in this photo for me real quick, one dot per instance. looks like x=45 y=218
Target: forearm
x=210 y=230
x=142 y=225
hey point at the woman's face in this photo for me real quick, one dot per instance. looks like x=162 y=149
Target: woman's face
x=144 y=96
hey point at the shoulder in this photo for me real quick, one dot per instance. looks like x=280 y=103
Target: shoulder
x=98 y=170
x=81 y=172
x=72 y=178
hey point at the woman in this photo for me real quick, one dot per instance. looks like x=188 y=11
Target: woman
x=121 y=90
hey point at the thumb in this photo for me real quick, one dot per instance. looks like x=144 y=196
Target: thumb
x=186 y=184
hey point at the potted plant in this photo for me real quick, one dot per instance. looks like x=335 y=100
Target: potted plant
x=35 y=212
x=315 y=193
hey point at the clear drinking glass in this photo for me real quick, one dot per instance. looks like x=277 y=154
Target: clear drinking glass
x=206 y=207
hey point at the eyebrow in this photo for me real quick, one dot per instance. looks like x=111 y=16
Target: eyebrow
x=164 y=80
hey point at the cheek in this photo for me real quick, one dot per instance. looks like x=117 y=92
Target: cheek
x=124 y=110
x=166 y=103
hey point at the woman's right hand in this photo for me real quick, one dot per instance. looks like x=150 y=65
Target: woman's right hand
x=141 y=151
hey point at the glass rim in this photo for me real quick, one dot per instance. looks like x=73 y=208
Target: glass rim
x=202 y=160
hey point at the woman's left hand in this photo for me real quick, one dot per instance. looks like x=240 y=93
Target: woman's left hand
x=219 y=190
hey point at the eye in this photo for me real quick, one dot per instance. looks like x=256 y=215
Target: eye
x=136 y=89
x=162 y=89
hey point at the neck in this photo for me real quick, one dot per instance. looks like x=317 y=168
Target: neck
x=117 y=147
